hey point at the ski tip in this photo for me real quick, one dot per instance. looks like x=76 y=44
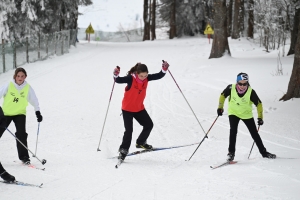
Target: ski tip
x=41 y=185
x=116 y=166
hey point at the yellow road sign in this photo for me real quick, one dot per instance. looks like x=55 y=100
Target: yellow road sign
x=208 y=30
x=90 y=29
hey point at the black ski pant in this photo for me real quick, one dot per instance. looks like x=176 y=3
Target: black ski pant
x=20 y=123
x=250 y=123
x=143 y=118
x=1 y=168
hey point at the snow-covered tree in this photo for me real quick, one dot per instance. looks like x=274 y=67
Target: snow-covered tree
x=238 y=19
x=6 y=7
x=272 y=22
x=60 y=15
x=24 y=21
x=185 y=17
x=190 y=17
x=42 y=16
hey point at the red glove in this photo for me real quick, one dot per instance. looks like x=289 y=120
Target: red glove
x=165 y=65
x=116 y=71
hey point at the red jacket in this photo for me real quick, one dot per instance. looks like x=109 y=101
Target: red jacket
x=133 y=100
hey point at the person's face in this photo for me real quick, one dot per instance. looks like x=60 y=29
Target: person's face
x=142 y=75
x=242 y=84
x=20 y=78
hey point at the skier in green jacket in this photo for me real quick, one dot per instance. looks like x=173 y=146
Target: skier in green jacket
x=241 y=98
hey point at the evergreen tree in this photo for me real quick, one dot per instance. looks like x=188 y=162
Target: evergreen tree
x=189 y=16
x=23 y=22
x=47 y=16
x=6 y=7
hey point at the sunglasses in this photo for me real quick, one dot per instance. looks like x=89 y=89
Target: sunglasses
x=242 y=84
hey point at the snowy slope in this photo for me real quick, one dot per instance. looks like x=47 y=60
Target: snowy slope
x=74 y=91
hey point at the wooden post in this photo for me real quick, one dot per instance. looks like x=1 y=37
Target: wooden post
x=39 y=46
x=69 y=37
x=27 y=53
x=47 y=43
x=62 y=43
x=55 y=43
x=3 y=54
x=14 y=54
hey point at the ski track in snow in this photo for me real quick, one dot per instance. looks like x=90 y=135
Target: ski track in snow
x=246 y=133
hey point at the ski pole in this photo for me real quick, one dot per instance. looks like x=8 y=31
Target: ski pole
x=37 y=137
x=106 y=112
x=186 y=100
x=43 y=161
x=203 y=138
x=253 y=144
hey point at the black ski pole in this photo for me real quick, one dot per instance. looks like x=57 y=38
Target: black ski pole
x=98 y=149
x=203 y=138
x=253 y=144
x=43 y=161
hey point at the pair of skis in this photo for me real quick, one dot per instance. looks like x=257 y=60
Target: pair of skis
x=120 y=161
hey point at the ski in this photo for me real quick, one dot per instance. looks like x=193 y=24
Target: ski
x=32 y=166
x=120 y=161
x=223 y=164
x=22 y=184
x=155 y=149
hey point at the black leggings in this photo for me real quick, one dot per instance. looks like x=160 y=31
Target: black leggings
x=20 y=123
x=143 y=118
x=250 y=123
x=1 y=169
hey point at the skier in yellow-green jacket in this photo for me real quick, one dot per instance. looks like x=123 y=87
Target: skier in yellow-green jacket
x=17 y=93
x=241 y=98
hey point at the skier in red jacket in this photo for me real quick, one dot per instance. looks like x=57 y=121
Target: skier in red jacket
x=133 y=104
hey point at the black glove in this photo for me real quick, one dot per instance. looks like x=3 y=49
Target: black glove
x=39 y=116
x=220 y=111
x=260 y=121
